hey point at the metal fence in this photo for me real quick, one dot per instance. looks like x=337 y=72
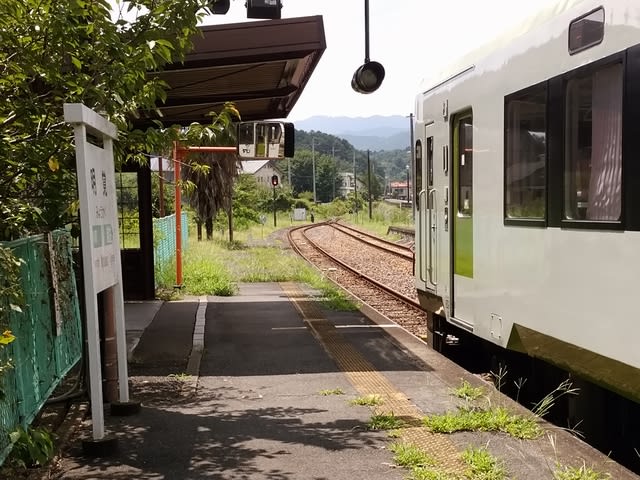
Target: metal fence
x=48 y=331
x=164 y=238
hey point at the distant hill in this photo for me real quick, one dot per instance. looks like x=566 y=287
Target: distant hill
x=373 y=133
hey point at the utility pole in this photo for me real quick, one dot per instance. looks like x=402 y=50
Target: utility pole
x=313 y=164
x=355 y=186
x=369 y=180
x=333 y=161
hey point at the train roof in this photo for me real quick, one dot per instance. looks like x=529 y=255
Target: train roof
x=466 y=62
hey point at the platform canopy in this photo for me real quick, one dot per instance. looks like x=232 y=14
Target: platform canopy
x=262 y=66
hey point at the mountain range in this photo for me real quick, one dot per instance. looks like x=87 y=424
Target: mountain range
x=374 y=133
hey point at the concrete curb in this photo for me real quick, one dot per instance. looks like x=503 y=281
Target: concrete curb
x=197 y=349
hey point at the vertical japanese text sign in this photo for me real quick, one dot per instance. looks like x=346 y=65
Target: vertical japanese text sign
x=94 y=137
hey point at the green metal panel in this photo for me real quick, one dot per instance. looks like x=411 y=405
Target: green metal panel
x=463 y=224
x=48 y=344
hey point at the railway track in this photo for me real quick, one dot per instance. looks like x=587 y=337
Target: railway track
x=381 y=295
x=388 y=246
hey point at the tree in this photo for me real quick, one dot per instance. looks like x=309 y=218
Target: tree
x=53 y=52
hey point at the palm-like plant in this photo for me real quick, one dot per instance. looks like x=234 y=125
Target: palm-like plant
x=212 y=176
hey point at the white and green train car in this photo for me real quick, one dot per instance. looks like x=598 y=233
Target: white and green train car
x=527 y=179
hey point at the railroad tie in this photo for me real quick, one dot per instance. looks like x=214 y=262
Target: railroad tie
x=368 y=381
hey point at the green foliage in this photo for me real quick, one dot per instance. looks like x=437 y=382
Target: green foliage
x=369 y=400
x=203 y=277
x=497 y=419
x=11 y=296
x=578 y=473
x=467 y=392
x=411 y=457
x=32 y=447
x=384 y=421
x=544 y=406
x=483 y=465
x=335 y=391
x=54 y=53
x=11 y=300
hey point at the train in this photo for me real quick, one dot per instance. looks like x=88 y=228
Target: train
x=526 y=159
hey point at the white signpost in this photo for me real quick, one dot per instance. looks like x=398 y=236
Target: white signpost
x=100 y=244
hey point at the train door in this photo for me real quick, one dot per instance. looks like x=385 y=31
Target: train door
x=426 y=212
x=462 y=310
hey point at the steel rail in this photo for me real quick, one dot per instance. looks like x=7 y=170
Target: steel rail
x=397 y=295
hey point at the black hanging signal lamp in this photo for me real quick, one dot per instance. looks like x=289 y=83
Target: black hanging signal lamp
x=219 y=7
x=369 y=76
x=266 y=9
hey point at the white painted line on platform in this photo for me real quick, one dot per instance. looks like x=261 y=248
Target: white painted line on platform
x=193 y=366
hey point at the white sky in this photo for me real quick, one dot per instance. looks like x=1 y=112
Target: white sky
x=412 y=39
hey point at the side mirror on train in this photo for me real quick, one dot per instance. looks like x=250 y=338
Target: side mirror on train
x=259 y=140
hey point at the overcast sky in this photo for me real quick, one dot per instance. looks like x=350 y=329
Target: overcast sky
x=413 y=39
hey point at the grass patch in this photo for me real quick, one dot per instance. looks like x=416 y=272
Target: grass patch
x=467 y=392
x=421 y=465
x=409 y=456
x=335 y=391
x=181 y=377
x=215 y=267
x=483 y=465
x=384 y=421
x=494 y=419
x=370 y=400
x=578 y=473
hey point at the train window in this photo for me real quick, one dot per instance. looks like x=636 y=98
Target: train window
x=593 y=146
x=417 y=184
x=526 y=154
x=465 y=166
x=586 y=31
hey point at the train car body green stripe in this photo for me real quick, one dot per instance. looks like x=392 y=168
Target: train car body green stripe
x=463 y=225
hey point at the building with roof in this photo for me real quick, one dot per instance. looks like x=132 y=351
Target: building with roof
x=262 y=171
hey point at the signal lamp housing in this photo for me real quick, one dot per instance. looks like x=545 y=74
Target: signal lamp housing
x=265 y=9
x=219 y=7
x=368 y=77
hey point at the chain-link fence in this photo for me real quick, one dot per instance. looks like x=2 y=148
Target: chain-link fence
x=48 y=331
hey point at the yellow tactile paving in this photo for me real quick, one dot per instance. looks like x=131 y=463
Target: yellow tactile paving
x=367 y=381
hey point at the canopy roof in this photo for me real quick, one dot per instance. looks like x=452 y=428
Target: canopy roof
x=261 y=66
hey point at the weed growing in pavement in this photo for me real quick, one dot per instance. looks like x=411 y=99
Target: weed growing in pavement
x=499 y=376
x=181 y=377
x=583 y=472
x=483 y=465
x=209 y=269
x=578 y=473
x=394 y=433
x=370 y=400
x=385 y=421
x=545 y=405
x=467 y=392
x=335 y=391
x=409 y=456
x=489 y=420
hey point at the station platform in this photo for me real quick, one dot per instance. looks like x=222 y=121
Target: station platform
x=262 y=386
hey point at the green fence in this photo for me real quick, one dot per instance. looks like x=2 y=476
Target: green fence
x=48 y=331
x=164 y=238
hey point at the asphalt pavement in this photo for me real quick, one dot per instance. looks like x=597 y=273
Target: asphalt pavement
x=236 y=388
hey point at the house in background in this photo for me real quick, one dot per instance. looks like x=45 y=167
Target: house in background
x=346 y=185
x=400 y=190
x=262 y=170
